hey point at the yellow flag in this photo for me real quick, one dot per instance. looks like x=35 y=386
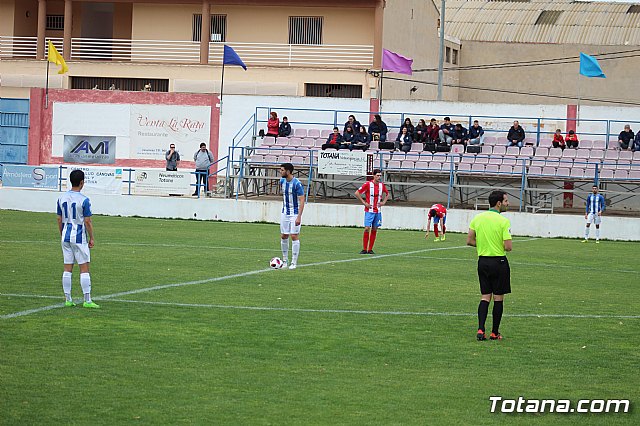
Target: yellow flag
x=56 y=58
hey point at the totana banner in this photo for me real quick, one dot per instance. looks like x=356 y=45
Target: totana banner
x=345 y=163
x=154 y=127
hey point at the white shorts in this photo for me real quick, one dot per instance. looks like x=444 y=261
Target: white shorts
x=288 y=224
x=594 y=218
x=75 y=253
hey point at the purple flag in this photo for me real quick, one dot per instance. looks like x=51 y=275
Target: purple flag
x=395 y=62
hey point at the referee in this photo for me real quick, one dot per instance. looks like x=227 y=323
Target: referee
x=489 y=233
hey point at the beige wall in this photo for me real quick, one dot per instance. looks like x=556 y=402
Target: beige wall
x=24 y=26
x=7 y=11
x=122 y=17
x=262 y=24
x=411 y=29
x=622 y=82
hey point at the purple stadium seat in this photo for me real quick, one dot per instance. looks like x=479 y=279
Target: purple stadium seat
x=492 y=168
x=620 y=174
x=549 y=171
x=545 y=143
x=513 y=150
x=477 y=167
x=634 y=174
x=464 y=167
x=457 y=149
x=636 y=156
x=606 y=174
x=495 y=160
x=308 y=142
x=623 y=165
x=313 y=133
x=577 y=173
x=417 y=147
x=535 y=170
x=295 y=142
x=625 y=155
x=506 y=169
x=562 y=172
x=555 y=153
x=486 y=149
x=510 y=161
x=391 y=136
x=569 y=153
x=468 y=158
x=421 y=165
x=271 y=159
x=610 y=155
x=542 y=152
x=526 y=151
x=599 y=144
x=517 y=170
x=300 y=133
x=281 y=142
x=586 y=144
x=324 y=134
x=269 y=141
x=490 y=140
x=582 y=154
x=499 y=150
x=596 y=154
x=256 y=158
x=435 y=166
x=394 y=164
x=482 y=159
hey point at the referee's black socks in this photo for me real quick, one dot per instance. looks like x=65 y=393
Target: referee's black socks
x=483 y=311
x=497 y=316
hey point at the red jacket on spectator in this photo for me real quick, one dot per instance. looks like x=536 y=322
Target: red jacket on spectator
x=558 y=138
x=272 y=126
x=572 y=138
x=432 y=132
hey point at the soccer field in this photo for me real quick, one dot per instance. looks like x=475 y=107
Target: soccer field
x=195 y=328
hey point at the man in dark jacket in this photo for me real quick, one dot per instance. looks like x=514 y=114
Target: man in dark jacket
x=446 y=131
x=285 y=128
x=625 y=138
x=515 y=136
x=334 y=140
x=460 y=135
x=378 y=129
x=475 y=134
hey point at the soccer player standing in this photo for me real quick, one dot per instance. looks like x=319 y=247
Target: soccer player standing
x=439 y=214
x=372 y=191
x=593 y=214
x=291 y=218
x=74 y=223
x=489 y=233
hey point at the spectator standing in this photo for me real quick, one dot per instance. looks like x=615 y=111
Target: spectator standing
x=334 y=140
x=362 y=140
x=273 y=125
x=515 y=137
x=558 y=140
x=285 y=128
x=489 y=233
x=172 y=156
x=203 y=159
x=572 y=140
x=446 y=131
x=355 y=124
x=460 y=135
x=404 y=141
x=625 y=138
x=420 y=133
x=378 y=129
x=476 y=134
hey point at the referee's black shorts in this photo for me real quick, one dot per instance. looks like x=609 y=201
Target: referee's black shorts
x=494 y=275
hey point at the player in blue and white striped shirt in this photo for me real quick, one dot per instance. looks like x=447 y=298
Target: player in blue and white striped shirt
x=292 y=207
x=74 y=224
x=595 y=207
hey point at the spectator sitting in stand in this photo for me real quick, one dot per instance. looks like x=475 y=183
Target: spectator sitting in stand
x=433 y=131
x=625 y=138
x=572 y=140
x=355 y=124
x=362 y=140
x=273 y=125
x=460 y=135
x=404 y=141
x=558 y=140
x=515 y=137
x=348 y=138
x=409 y=126
x=420 y=133
x=334 y=140
x=285 y=128
x=446 y=131
x=378 y=129
x=636 y=143
x=476 y=134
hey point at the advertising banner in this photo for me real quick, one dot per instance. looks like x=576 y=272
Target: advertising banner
x=89 y=149
x=19 y=176
x=99 y=180
x=154 y=127
x=160 y=182
x=345 y=163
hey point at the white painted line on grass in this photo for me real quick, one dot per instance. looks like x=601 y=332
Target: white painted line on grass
x=339 y=311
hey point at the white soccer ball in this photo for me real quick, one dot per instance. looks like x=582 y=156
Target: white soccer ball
x=275 y=263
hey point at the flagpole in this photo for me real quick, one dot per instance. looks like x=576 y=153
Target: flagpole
x=222 y=83
x=579 y=97
x=381 y=80
x=46 y=90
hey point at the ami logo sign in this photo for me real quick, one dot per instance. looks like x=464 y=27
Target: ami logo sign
x=86 y=147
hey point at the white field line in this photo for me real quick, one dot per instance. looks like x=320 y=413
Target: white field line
x=339 y=311
x=240 y=275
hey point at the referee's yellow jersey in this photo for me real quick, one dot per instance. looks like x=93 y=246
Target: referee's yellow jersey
x=491 y=229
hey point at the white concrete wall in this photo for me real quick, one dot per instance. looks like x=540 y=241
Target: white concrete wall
x=522 y=224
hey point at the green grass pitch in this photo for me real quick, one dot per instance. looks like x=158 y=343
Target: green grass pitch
x=347 y=339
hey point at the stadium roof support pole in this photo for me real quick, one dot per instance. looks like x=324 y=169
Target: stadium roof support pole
x=42 y=28
x=68 y=19
x=441 y=58
x=205 y=32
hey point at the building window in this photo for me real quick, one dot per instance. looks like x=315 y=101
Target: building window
x=333 y=90
x=454 y=57
x=447 y=55
x=116 y=83
x=548 y=17
x=55 y=22
x=634 y=8
x=218 y=27
x=305 y=29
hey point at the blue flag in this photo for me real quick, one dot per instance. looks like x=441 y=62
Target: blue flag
x=589 y=66
x=232 y=58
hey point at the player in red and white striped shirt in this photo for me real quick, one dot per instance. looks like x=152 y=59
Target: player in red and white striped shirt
x=439 y=214
x=373 y=202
